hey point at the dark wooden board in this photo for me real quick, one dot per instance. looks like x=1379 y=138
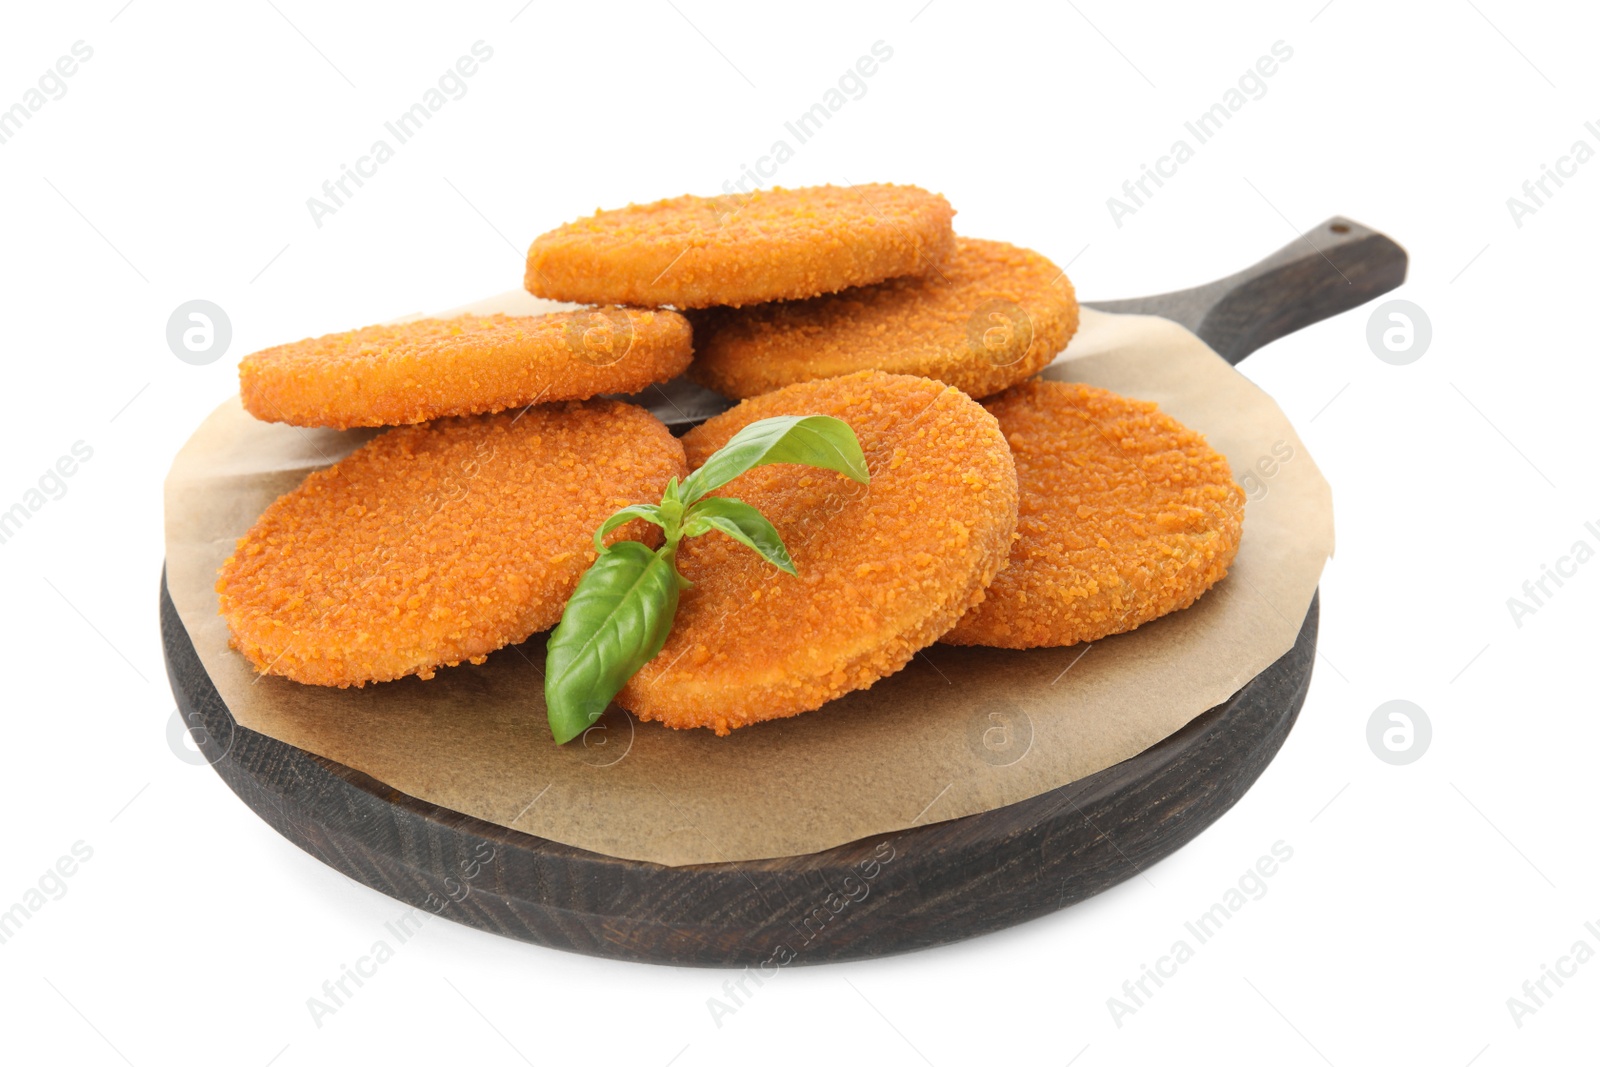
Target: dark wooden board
x=925 y=886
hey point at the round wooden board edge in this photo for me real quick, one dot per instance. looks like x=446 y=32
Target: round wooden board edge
x=918 y=888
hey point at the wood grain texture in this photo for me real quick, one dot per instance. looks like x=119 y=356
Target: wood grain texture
x=922 y=887
x=926 y=886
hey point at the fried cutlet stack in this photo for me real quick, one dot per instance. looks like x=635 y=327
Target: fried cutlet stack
x=1002 y=510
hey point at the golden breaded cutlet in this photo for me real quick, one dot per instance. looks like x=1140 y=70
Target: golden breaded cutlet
x=883 y=569
x=772 y=244
x=1125 y=515
x=991 y=315
x=438 y=543
x=475 y=364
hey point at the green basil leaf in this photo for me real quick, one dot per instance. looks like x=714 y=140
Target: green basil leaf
x=741 y=522
x=815 y=440
x=616 y=621
x=648 y=512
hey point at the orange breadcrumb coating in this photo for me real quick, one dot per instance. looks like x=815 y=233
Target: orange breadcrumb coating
x=439 y=543
x=415 y=371
x=883 y=569
x=773 y=244
x=991 y=315
x=1126 y=515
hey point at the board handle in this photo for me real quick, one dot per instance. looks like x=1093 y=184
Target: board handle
x=1339 y=265
x=1329 y=269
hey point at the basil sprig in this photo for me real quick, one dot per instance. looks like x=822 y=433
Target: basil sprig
x=619 y=617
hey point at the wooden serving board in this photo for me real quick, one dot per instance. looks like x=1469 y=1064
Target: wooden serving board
x=921 y=887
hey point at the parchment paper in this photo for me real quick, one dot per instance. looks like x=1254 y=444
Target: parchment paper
x=958 y=731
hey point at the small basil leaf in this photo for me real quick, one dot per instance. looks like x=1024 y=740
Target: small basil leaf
x=741 y=522
x=815 y=440
x=648 y=512
x=615 y=623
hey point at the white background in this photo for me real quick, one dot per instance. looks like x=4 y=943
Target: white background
x=1418 y=899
